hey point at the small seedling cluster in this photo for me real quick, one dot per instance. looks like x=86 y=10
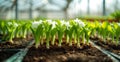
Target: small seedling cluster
x=12 y=29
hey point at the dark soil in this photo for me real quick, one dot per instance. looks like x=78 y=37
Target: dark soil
x=65 y=54
x=55 y=54
x=6 y=54
x=17 y=43
x=8 y=49
x=108 y=45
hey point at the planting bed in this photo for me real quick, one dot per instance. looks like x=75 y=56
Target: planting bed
x=8 y=49
x=58 y=40
x=58 y=54
x=108 y=46
x=18 y=43
x=65 y=54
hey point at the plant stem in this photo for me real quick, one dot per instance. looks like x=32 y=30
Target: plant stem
x=83 y=38
x=47 y=43
x=60 y=42
x=11 y=37
x=36 y=40
x=117 y=40
x=112 y=38
x=70 y=44
x=78 y=42
x=47 y=40
x=53 y=40
x=41 y=40
x=87 y=40
x=24 y=34
x=67 y=39
x=60 y=35
x=75 y=39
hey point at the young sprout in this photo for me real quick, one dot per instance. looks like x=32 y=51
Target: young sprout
x=25 y=28
x=112 y=31
x=60 y=29
x=18 y=30
x=53 y=32
x=87 y=32
x=48 y=27
x=78 y=26
x=11 y=27
x=104 y=31
x=37 y=31
x=2 y=27
x=70 y=33
x=3 y=30
x=92 y=26
x=117 y=33
x=97 y=28
x=67 y=31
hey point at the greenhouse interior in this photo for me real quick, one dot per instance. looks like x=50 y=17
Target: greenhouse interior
x=59 y=30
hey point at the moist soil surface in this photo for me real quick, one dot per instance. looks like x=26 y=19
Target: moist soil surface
x=17 y=43
x=65 y=54
x=108 y=45
x=8 y=49
x=6 y=54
